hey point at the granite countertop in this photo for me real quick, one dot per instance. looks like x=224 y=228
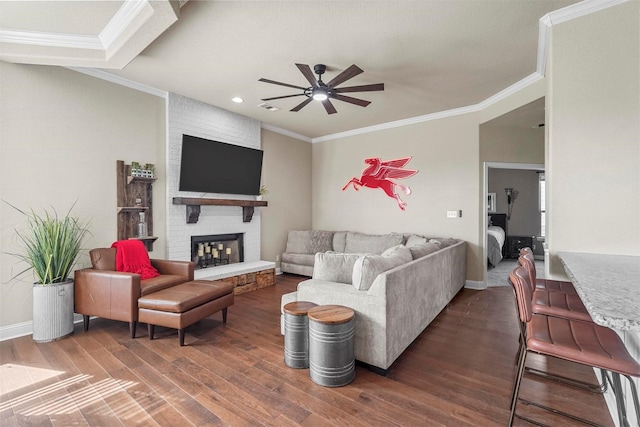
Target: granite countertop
x=609 y=286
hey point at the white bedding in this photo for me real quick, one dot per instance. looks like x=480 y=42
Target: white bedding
x=498 y=233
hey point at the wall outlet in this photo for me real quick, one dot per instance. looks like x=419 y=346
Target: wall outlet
x=277 y=258
x=452 y=214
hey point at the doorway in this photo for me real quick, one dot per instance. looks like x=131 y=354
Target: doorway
x=516 y=190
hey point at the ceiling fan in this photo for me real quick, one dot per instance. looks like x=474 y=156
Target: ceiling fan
x=324 y=92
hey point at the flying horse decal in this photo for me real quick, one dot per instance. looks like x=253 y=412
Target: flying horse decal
x=379 y=174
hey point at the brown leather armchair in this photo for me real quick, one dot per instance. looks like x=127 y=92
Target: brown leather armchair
x=104 y=292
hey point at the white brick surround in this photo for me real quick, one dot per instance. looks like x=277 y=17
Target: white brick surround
x=191 y=117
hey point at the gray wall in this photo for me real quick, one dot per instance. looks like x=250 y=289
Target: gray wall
x=525 y=217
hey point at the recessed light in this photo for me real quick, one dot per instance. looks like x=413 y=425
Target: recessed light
x=237 y=99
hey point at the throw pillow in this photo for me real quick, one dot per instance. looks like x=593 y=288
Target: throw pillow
x=334 y=266
x=339 y=241
x=418 y=251
x=367 y=267
x=320 y=241
x=444 y=242
x=414 y=240
x=298 y=242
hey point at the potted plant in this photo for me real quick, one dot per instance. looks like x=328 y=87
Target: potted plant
x=263 y=191
x=51 y=245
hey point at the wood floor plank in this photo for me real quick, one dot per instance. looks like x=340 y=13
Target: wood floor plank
x=458 y=372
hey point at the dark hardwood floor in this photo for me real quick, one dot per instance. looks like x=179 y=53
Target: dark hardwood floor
x=458 y=372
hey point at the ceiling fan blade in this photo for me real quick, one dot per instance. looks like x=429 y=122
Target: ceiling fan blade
x=347 y=74
x=350 y=100
x=329 y=107
x=280 y=97
x=363 y=88
x=302 y=104
x=308 y=74
x=281 y=84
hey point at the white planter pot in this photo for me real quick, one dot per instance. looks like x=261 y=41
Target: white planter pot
x=52 y=311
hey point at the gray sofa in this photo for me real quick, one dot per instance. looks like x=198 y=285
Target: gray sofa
x=396 y=292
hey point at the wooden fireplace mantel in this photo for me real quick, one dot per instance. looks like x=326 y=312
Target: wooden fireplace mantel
x=193 y=206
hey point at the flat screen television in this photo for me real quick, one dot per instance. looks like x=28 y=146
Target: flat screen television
x=216 y=167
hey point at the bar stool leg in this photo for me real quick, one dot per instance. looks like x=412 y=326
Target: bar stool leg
x=516 y=384
x=634 y=393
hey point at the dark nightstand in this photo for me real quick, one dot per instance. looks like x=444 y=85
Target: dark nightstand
x=515 y=243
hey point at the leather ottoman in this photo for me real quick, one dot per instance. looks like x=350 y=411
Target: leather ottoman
x=184 y=304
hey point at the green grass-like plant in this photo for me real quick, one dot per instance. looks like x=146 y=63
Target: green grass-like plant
x=51 y=245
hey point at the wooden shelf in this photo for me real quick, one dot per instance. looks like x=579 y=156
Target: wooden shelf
x=148 y=238
x=134 y=196
x=132 y=209
x=131 y=179
x=193 y=206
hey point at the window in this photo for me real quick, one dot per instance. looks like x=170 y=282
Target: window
x=541 y=203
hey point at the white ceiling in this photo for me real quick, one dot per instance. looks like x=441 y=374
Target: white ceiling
x=432 y=56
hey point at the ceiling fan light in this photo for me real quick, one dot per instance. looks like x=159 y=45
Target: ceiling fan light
x=320 y=95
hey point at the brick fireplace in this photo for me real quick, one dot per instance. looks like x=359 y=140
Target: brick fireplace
x=188 y=116
x=248 y=272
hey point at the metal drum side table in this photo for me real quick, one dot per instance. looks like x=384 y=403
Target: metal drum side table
x=296 y=334
x=331 y=354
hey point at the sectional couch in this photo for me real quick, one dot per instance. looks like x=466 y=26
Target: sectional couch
x=396 y=283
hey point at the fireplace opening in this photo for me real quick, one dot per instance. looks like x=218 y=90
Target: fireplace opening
x=217 y=249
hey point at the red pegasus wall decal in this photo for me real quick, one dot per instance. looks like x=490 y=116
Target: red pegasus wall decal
x=379 y=174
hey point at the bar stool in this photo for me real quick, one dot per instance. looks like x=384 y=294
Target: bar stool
x=558 y=304
x=547 y=284
x=572 y=340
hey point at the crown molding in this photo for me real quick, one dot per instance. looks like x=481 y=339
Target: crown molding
x=503 y=94
x=121 y=21
x=117 y=25
x=50 y=39
x=285 y=132
x=563 y=15
x=94 y=72
x=131 y=29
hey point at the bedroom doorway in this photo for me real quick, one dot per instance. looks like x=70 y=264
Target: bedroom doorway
x=513 y=217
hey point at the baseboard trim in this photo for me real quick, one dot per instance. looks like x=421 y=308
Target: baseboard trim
x=476 y=285
x=22 y=329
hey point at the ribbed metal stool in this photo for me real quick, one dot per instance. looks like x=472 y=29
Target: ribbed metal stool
x=331 y=355
x=296 y=334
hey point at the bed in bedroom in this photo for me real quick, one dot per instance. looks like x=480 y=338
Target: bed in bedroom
x=496 y=238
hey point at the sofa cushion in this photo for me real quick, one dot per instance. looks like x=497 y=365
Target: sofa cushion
x=103 y=259
x=334 y=266
x=371 y=243
x=339 y=241
x=367 y=267
x=300 y=259
x=424 y=249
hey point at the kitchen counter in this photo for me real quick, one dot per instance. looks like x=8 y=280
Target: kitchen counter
x=609 y=286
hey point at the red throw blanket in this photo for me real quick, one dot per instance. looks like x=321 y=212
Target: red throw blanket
x=132 y=257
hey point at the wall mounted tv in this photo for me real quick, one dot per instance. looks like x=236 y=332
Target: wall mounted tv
x=216 y=167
